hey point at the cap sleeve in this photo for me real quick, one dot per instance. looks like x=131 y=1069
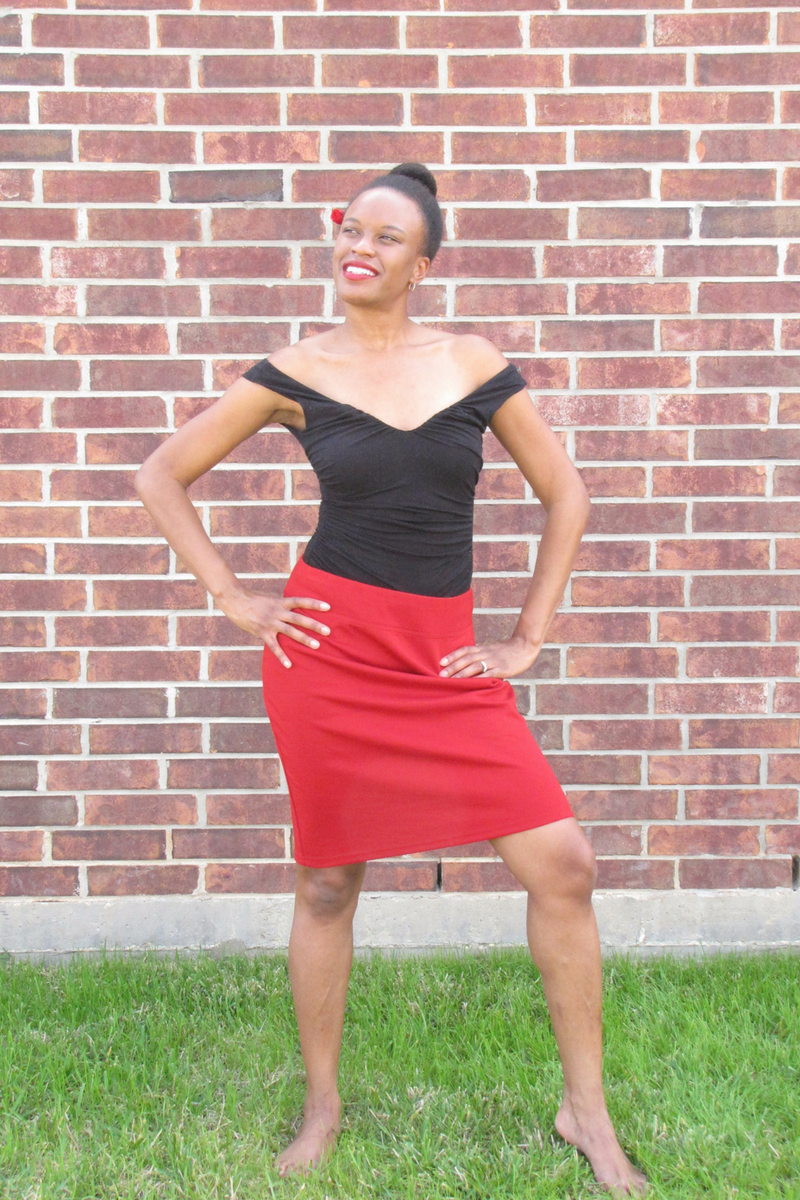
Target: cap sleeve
x=506 y=383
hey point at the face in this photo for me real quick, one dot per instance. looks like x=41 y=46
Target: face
x=384 y=230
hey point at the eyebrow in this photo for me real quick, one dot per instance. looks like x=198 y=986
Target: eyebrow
x=397 y=227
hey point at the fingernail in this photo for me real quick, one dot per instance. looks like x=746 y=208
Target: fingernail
x=287 y=664
x=325 y=604
x=442 y=660
x=443 y=672
x=325 y=629
x=314 y=643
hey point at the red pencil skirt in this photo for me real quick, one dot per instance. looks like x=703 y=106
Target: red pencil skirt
x=383 y=755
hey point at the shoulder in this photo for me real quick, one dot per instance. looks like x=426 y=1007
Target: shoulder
x=293 y=357
x=477 y=355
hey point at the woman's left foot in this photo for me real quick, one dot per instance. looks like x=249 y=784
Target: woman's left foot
x=597 y=1141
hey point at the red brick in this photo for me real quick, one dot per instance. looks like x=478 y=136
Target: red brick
x=602 y=662
x=42 y=225
x=741 y=734
x=742 y=802
x=758 y=661
x=763 y=67
x=38 y=810
x=228 y=843
x=709 y=108
x=107 y=262
x=334 y=31
x=299 y=145
x=39 y=881
x=110 y=339
x=354 y=70
x=140 y=809
x=461 y=32
x=74 y=701
x=221 y=108
x=97 y=108
x=36 y=69
x=353 y=146
x=217 y=262
x=111 y=631
x=10 y=30
x=682 y=698
x=131 y=70
x=504 y=70
x=217 y=33
x=33 y=299
x=486 y=109
x=143 y=666
x=70 y=29
x=720 y=260
x=704 y=554
x=148 y=376
x=717 y=335
x=637 y=372
x=629 y=734
x=40 y=376
x=627 y=70
x=783 y=839
x=634 y=873
x=38 y=666
x=633 y=223
x=222 y=772
x=122 y=301
x=145 y=146
x=102 y=774
x=731 y=408
x=734 y=873
x=771 y=221
x=625 y=298
x=588 y=184
x=632 y=146
x=35 y=145
x=14 y=108
x=77 y=186
x=150 y=738
x=20 y=262
x=21 y=338
x=691 y=184
x=344 y=108
x=597 y=335
x=703 y=768
x=144 y=224
x=711 y=29
x=169 y=879
x=685 y=840
x=250 y=877
x=574 y=30
x=43 y=447
x=286 y=70
x=620 y=108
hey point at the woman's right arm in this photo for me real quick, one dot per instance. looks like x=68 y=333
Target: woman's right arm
x=161 y=484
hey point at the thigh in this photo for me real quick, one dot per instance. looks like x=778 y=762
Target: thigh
x=550 y=859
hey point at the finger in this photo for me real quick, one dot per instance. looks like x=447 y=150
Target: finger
x=472 y=668
x=299 y=636
x=456 y=659
x=272 y=642
x=304 y=602
x=307 y=622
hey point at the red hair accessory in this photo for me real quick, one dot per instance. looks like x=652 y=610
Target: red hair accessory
x=337 y=216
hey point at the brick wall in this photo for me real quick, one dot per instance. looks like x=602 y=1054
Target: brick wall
x=622 y=198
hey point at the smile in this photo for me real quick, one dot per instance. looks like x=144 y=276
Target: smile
x=355 y=272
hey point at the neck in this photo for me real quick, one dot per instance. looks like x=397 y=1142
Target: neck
x=375 y=330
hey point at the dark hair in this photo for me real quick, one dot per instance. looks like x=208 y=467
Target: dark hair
x=415 y=181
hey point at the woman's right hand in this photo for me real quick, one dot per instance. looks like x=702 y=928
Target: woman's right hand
x=267 y=616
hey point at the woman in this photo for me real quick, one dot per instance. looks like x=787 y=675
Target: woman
x=396 y=731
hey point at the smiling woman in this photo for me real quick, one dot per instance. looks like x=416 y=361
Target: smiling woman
x=397 y=731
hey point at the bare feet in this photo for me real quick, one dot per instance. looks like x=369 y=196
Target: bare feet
x=321 y=1125
x=597 y=1141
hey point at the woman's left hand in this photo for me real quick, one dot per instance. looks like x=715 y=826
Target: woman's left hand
x=502 y=659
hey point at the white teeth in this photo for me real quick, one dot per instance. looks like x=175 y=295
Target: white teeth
x=358 y=271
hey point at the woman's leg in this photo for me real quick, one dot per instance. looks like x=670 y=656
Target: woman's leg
x=556 y=865
x=320 y=958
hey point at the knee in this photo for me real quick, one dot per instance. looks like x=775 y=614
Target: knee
x=578 y=865
x=571 y=871
x=329 y=891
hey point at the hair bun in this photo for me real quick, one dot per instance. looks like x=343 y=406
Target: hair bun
x=418 y=171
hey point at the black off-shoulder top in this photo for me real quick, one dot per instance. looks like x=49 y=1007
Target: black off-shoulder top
x=397 y=505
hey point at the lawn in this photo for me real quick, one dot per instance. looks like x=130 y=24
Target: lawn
x=181 y=1078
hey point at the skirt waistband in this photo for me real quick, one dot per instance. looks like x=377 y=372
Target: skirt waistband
x=371 y=605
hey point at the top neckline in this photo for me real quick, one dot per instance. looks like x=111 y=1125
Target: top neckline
x=385 y=424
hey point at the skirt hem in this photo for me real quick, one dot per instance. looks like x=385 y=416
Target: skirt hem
x=416 y=848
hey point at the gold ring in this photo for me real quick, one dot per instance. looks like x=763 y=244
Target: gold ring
x=483 y=664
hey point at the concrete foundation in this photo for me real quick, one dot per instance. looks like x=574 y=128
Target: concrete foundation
x=632 y=922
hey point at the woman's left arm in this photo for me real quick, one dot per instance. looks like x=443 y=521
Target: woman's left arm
x=557 y=484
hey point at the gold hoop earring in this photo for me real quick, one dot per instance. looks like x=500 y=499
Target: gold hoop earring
x=411 y=286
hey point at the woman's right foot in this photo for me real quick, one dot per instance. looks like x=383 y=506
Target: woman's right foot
x=318 y=1133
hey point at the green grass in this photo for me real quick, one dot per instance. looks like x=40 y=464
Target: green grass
x=181 y=1078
